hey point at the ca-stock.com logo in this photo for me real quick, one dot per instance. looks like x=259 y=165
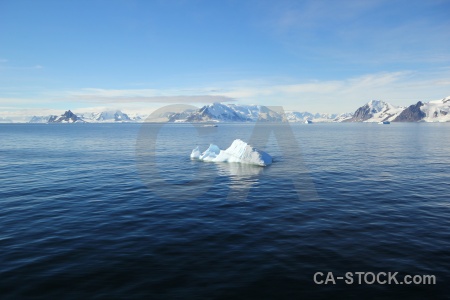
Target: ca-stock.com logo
x=153 y=171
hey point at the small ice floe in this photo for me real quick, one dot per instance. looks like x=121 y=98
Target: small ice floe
x=239 y=152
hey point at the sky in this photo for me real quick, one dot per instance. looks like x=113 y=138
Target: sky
x=318 y=56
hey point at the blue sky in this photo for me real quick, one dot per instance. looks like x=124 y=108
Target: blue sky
x=319 y=56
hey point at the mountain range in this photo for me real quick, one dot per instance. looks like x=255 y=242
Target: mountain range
x=373 y=111
x=93 y=117
x=379 y=111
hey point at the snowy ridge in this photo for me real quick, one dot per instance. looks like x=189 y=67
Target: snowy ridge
x=250 y=112
x=343 y=117
x=437 y=111
x=105 y=117
x=220 y=112
x=294 y=116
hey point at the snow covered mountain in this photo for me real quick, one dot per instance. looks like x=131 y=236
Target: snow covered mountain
x=295 y=116
x=249 y=112
x=433 y=111
x=216 y=112
x=67 y=117
x=376 y=111
x=105 y=117
x=436 y=111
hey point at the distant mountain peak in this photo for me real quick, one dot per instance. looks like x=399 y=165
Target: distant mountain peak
x=375 y=111
x=67 y=117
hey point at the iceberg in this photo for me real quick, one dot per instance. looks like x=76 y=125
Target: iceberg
x=239 y=152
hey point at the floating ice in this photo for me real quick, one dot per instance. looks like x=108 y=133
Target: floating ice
x=239 y=152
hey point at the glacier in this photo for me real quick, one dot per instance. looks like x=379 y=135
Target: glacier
x=437 y=110
x=238 y=152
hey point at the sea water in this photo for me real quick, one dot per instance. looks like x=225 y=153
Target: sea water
x=83 y=215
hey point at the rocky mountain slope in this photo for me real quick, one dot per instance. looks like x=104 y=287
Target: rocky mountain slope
x=412 y=113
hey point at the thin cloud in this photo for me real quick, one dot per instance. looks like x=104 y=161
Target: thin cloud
x=317 y=87
x=332 y=96
x=118 y=96
x=14 y=102
x=337 y=96
x=8 y=67
x=152 y=99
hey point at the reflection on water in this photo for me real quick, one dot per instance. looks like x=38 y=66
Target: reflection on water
x=242 y=177
x=238 y=170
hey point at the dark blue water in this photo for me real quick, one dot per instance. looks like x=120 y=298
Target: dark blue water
x=83 y=216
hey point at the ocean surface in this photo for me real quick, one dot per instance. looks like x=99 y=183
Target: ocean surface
x=107 y=211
